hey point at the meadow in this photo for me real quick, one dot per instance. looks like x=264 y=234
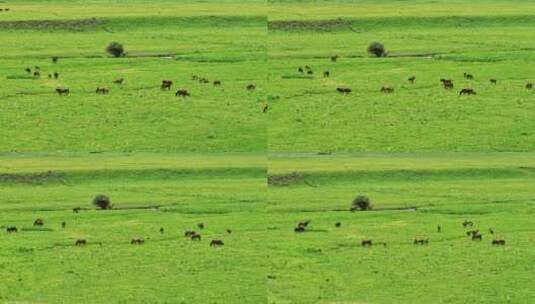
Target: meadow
x=163 y=41
x=251 y=163
x=411 y=195
x=148 y=192
x=428 y=40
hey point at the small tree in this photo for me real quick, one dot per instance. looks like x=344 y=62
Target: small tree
x=115 y=49
x=377 y=49
x=361 y=202
x=102 y=201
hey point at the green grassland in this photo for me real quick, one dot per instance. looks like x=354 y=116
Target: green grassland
x=411 y=194
x=149 y=191
x=163 y=41
x=430 y=40
x=425 y=156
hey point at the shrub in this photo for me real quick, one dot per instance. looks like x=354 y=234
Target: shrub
x=102 y=201
x=115 y=49
x=361 y=202
x=377 y=49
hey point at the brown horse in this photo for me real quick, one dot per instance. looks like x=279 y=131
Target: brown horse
x=62 y=91
x=38 y=222
x=182 y=93
x=216 y=243
x=166 y=84
x=344 y=90
x=467 y=91
x=137 y=241
x=387 y=89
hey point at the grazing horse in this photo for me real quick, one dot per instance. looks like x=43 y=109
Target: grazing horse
x=200 y=225
x=80 y=242
x=265 y=109
x=477 y=237
x=62 y=91
x=334 y=58
x=493 y=81
x=102 y=91
x=189 y=233
x=229 y=231
x=326 y=74
x=468 y=76
x=300 y=70
x=182 y=93
x=38 y=222
x=12 y=229
x=467 y=91
x=299 y=229
x=498 y=242
x=467 y=224
x=161 y=230
x=76 y=210
x=55 y=59
x=420 y=241
x=338 y=225
x=56 y=75
x=28 y=70
x=344 y=90
x=366 y=243
x=472 y=232
x=251 y=87
x=529 y=85
x=63 y=225
x=118 y=81
x=37 y=74
x=166 y=84
x=195 y=237
x=303 y=224
x=217 y=83
x=447 y=83
x=137 y=241
x=216 y=243
x=491 y=231
x=387 y=89
x=412 y=79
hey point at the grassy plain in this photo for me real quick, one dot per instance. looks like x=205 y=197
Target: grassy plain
x=428 y=39
x=424 y=155
x=412 y=194
x=149 y=192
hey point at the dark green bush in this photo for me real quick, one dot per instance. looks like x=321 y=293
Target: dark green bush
x=377 y=49
x=361 y=202
x=115 y=49
x=102 y=201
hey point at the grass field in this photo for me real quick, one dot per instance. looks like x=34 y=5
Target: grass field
x=163 y=41
x=149 y=192
x=259 y=161
x=428 y=39
x=412 y=194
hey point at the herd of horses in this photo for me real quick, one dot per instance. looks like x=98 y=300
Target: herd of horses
x=474 y=234
x=191 y=234
x=446 y=83
x=165 y=84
